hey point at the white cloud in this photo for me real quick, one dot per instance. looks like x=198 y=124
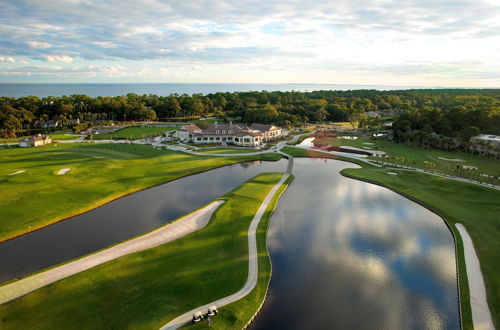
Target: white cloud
x=39 y=45
x=274 y=41
x=7 y=59
x=59 y=58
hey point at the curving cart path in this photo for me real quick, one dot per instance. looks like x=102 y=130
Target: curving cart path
x=481 y=316
x=172 y=231
x=253 y=270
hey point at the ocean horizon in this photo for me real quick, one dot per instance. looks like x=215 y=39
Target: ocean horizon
x=163 y=89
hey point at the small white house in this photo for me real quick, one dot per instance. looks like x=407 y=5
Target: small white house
x=35 y=141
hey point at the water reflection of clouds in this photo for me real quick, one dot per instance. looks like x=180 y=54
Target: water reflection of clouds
x=380 y=248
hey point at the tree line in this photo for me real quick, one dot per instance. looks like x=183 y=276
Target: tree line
x=447 y=111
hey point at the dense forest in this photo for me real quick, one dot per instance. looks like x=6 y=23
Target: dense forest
x=444 y=111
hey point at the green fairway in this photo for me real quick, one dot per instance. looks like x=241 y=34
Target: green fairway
x=416 y=157
x=100 y=172
x=62 y=136
x=134 y=133
x=476 y=207
x=227 y=150
x=147 y=289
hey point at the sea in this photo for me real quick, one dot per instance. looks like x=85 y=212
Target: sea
x=163 y=89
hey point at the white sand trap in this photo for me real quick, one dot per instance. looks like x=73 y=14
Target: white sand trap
x=368 y=143
x=452 y=159
x=467 y=167
x=18 y=172
x=391 y=173
x=63 y=171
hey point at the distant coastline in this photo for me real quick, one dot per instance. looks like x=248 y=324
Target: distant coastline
x=162 y=89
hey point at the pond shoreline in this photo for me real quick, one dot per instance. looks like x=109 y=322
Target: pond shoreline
x=460 y=259
x=117 y=196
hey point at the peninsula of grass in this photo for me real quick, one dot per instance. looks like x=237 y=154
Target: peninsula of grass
x=238 y=314
x=146 y=289
x=134 y=133
x=100 y=173
x=476 y=207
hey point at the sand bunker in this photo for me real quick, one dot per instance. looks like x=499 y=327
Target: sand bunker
x=467 y=167
x=391 y=173
x=18 y=172
x=452 y=159
x=63 y=171
x=368 y=143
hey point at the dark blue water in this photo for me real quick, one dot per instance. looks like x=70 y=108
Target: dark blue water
x=122 y=219
x=94 y=90
x=351 y=255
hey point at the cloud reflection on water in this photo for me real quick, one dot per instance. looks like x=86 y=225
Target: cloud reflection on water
x=352 y=255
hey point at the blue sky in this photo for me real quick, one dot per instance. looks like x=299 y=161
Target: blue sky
x=388 y=42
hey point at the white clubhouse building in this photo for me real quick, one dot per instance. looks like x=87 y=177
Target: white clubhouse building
x=237 y=134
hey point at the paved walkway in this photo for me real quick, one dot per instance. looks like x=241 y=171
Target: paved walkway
x=177 y=229
x=253 y=270
x=481 y=316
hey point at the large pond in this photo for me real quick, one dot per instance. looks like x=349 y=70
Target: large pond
x=351 y=255
x=122 y=219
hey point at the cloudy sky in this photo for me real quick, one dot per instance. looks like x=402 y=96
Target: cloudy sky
x=387 y=42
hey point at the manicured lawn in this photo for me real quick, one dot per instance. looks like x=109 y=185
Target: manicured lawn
x=147 y=289
x=62 y=135
x=227 y=151
x=238 y=314
x=100 y=172
x=410 y=153
x=477 y=207
x=134 y=133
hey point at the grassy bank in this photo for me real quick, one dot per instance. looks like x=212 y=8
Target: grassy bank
x=147 y=289
x=238 y=314
x=134 y=133
x=99 y=173
x=443 y=160
x=227 y=150
x=457 y=202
